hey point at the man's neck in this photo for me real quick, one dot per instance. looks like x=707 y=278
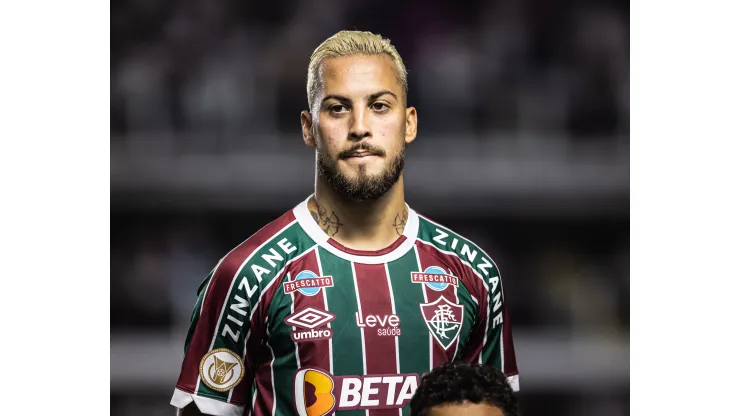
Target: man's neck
x=368 y=225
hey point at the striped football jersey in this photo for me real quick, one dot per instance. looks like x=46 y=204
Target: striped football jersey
x=292 y=322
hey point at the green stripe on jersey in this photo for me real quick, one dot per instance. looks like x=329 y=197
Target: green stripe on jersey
x=464 y=298
x=492 y=349
x=347 y=342
x=286 y=357
x=195 y=316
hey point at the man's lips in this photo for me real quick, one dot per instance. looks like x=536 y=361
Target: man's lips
x=358 y=155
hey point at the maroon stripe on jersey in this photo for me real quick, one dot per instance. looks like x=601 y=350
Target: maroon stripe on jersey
x=375 y=300
x=218 y=292
x=380 y=252
x=476 y=288
x=477 y=339
x=257 y=352
x=314 y=353
x=246 y=386
x=509 y=363
x=439 y=354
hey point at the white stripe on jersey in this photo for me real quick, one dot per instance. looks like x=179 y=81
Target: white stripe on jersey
x=426 y=300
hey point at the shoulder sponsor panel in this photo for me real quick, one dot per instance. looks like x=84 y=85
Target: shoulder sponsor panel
x=463 y=249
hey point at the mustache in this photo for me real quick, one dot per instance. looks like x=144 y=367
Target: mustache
x=372 y=149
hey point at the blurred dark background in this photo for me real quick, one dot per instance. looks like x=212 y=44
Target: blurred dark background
x=523 y=147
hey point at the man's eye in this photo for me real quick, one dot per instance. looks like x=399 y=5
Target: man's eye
x=338 y=108
x=379 y=106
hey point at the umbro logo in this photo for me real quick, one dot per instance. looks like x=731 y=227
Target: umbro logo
x=308 y=319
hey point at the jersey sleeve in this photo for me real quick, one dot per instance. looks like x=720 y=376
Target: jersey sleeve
x=492 y=343
x=215 y=372
x=503 y=345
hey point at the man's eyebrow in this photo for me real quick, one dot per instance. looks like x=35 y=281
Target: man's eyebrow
x=371 y=97
x=375 y=96
x=341 y=99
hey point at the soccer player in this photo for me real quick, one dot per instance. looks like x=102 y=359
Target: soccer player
x=340 y=304
x=458 y=388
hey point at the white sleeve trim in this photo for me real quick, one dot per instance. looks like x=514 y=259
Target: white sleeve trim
x=513 y=382
x=207 y=406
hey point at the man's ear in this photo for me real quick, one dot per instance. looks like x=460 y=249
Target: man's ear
x=307 y=128
x=411 y=123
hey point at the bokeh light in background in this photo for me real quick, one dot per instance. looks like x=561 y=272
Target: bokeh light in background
x=523 y=147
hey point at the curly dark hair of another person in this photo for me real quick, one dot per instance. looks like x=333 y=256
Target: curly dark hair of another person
x=458 y=382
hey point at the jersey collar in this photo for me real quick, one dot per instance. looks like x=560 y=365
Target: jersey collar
x=393 y=252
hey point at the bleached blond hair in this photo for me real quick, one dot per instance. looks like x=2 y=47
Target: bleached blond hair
x=349 y=43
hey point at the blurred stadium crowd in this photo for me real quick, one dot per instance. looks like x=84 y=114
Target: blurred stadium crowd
x=505 y=66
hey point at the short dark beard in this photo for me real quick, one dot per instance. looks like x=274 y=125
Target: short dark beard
x=364 y=188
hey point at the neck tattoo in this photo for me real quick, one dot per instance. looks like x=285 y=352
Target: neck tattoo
x=399 y=223
x=328 y=222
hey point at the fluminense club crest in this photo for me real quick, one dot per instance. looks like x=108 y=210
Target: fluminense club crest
x=444 y=320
